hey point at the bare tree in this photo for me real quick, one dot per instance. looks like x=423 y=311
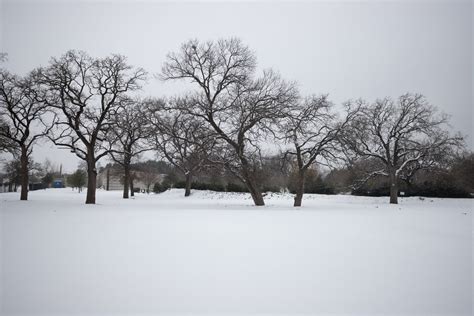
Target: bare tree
x=87 y=92
x=183 y=140
x=313 y=129
x=21 y=115
x=401 y=134
x=147 y=175
x=236 y=106
x=127 y=138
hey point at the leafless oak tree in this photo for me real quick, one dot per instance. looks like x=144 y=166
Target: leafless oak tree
x=21 y=119
x=185 y=141
x=127 y=137
x=238 y=107
x=313 y=129
x=400 y=134
x=87 y=92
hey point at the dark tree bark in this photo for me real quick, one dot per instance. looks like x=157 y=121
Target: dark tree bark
x=107 y=183
x=126 y=181
x=187 y=190
x=255 y=192
x=251 y=183
x=91 y=180
x=132 y=189
x=393 y=188
x=91 y=186
x=24 y=173
x=300 y=187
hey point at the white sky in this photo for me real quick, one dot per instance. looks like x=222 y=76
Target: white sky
x=347 y=49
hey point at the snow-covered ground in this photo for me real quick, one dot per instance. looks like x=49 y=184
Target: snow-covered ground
x=215 y=253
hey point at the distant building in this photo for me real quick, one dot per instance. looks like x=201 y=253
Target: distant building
x=32 y=186
x=58 y=183
x=111 y=179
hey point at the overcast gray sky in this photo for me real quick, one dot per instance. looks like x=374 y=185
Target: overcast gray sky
x=348 y=49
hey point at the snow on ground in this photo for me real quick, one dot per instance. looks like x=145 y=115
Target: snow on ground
x=215 y=253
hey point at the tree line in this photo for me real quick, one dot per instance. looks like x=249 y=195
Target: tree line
x=231 y=116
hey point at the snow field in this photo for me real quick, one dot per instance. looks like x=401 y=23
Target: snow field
x=216 y=254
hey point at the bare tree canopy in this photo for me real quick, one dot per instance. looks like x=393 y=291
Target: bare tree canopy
x=182 y=139
x=237 y=106
x=313 y=128
x=401 y=134
x=21 y=120
x=87 y=92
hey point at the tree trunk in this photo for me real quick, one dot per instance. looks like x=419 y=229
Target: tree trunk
x=255 y=193
x=107 y=183
x=126 y=181
x=252 y=184
x=393 y=189
x=253 y=187
x=248 y=178
x=132 y=190
x=24 y=174
x=91 y=180
x=187 y=190
x=300 y=188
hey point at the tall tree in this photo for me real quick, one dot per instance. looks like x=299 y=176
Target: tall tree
x=314 y=129
x=183 y=140
x=87 y=92
x=237 y=106
x=128 y=137
x=399 y=134
x=22 y=120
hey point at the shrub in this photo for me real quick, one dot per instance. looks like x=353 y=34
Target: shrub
x=179 y=184
x=208 y=186
x=159 y=188
x=233 y=187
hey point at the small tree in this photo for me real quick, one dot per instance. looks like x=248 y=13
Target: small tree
x=78 y=179
x=47 y=179
x=399 y=134
x=180 y=138
x=12 y=170
x=149 y=176
x=21 y=115
x=87 y=92
x=6 y=145
x=127 y=138
x=313 y=129
x=238 y=107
